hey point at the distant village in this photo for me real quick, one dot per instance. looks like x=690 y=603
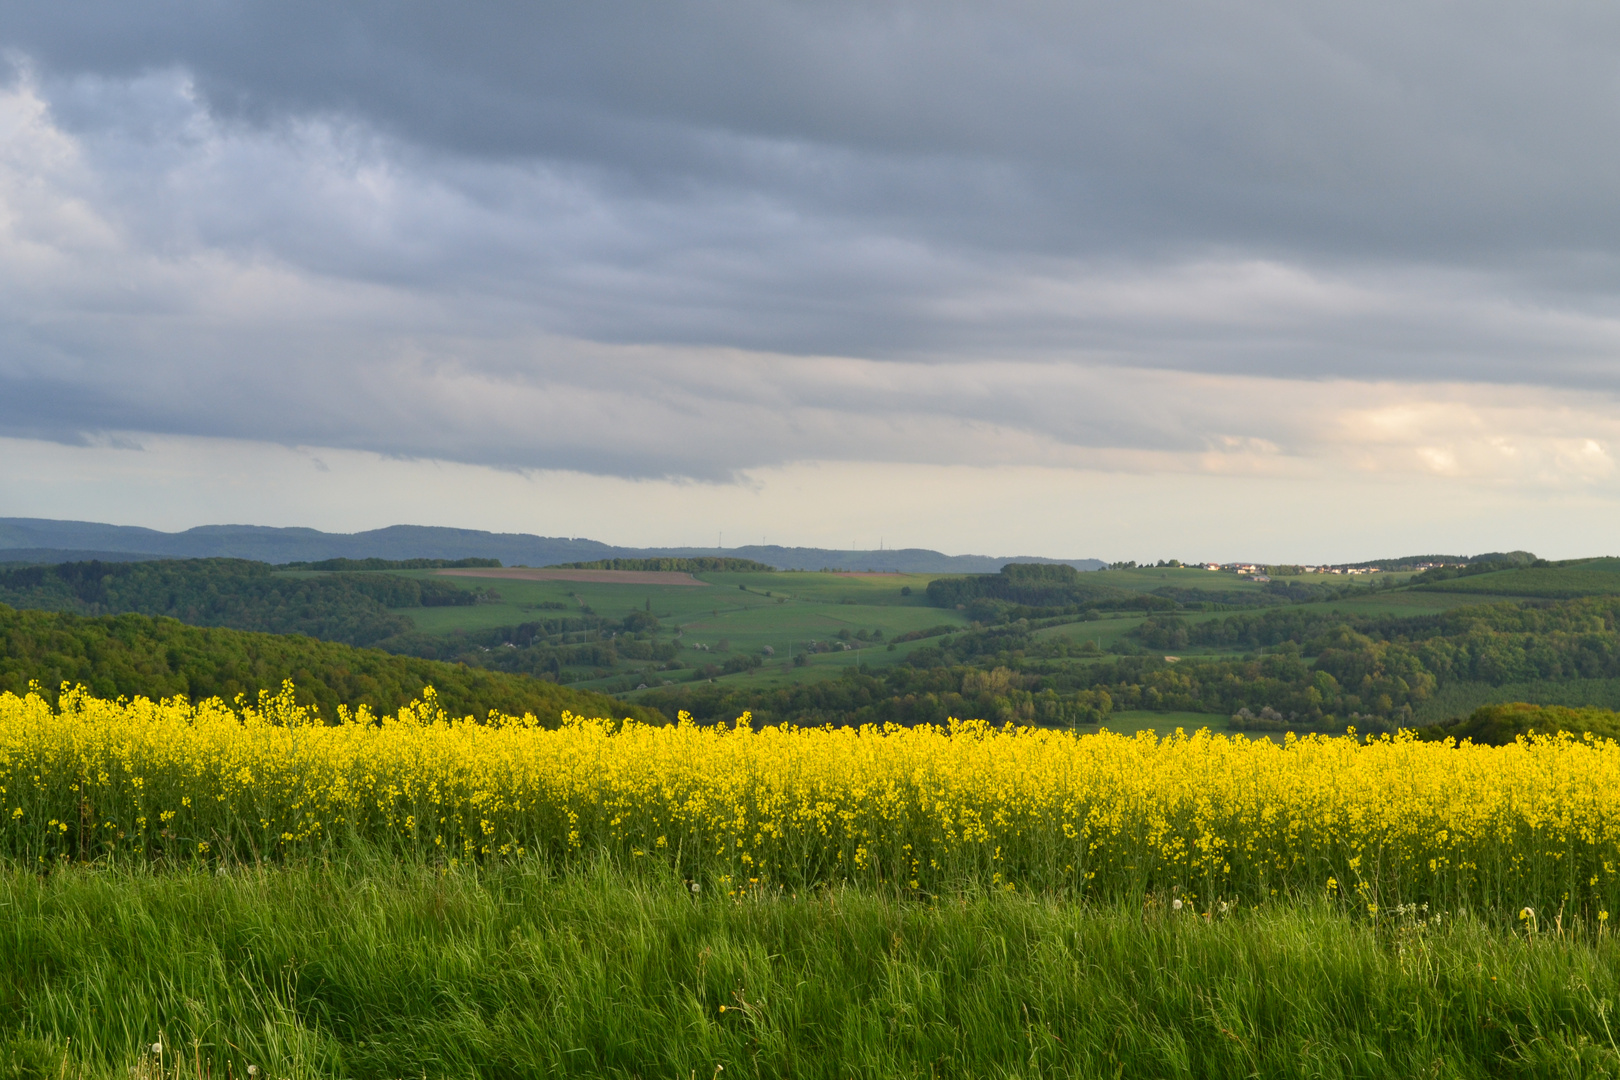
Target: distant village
x=1263 y=572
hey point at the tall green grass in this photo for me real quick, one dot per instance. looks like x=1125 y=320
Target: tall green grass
x=383 y=970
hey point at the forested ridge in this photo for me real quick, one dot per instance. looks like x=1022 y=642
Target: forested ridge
x=353 y=608
x=128 y=655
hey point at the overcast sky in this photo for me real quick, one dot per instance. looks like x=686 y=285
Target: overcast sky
x=1268 y=280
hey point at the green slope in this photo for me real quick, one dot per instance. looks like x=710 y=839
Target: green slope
x=1564 y=581
x=128 y=655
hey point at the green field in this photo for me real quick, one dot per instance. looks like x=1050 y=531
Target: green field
x=727 y=615
x=383 y=970
x=1129 y=722
x=1586 y=577
x=764 y=609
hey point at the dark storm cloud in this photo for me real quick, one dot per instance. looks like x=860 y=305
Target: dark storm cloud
x=373 y=225
x=1378 y=129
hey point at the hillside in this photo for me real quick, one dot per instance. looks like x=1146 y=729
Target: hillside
x=1547 y=581
x=352 y=608
x=37 y=536
x=128 y=655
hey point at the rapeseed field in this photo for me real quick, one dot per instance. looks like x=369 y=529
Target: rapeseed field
x=1196 y=823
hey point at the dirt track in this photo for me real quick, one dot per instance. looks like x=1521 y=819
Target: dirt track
x=618 y=577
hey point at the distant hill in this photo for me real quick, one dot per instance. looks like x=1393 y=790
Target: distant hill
x=41 y=537
x=894 y=560
x=38 y=556
x=128 y=655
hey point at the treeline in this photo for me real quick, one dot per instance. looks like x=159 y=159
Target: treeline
x=355 y=609
x=1498 y=725
x=1041 y=591
x=1327 y=667
x=394 y=564
x=129 y=655
x=1036 y=590
x=900 y=695
x=698 y=564
x=1600 y=615
x=564 y=648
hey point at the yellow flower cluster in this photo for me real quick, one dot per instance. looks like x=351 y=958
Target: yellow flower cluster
x=1199 y=816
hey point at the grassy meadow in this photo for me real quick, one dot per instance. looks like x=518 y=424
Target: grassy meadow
x=735 y=612
x=373 y=968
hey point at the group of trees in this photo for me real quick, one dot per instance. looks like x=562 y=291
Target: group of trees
x=352 y=608
x=561 y=648
x=1325 y=666
x=1036 y=590
x=129 y=655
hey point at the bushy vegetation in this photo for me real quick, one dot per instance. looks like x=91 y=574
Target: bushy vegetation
x=129 y=655
x=1499 y=725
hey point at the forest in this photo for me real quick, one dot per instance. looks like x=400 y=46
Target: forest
x=128 y=655
x=353 y=608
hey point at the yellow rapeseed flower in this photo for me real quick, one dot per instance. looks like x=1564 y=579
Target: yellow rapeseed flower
x=1395 y=819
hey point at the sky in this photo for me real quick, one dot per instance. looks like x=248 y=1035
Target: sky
x=1285 y=281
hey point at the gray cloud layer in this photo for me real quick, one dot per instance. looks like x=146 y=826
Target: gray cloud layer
x=515 y=233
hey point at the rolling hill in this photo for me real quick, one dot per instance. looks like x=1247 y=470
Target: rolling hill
x=129 y=655
x=36 y=537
